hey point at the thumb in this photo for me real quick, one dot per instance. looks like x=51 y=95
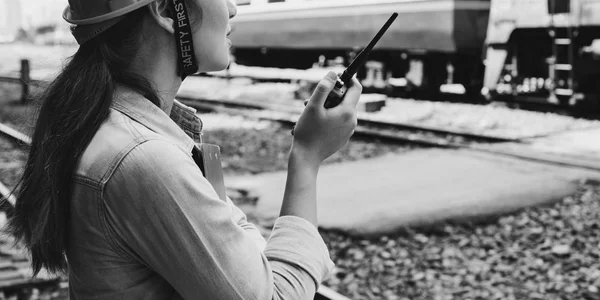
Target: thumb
x=323 y=89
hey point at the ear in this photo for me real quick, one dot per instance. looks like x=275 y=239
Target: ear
x=160 y=11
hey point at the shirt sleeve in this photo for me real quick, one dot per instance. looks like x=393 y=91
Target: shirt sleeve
x=239 y=217
x=161 y=207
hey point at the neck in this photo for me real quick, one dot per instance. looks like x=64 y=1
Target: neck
x=165 y=82
x=159 y=66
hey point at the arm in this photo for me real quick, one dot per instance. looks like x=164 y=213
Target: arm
x=318 y=134
x=171 y=218
x=300 y=196
x=239 y=217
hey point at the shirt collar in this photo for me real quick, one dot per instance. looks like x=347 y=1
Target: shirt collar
x=183 y=127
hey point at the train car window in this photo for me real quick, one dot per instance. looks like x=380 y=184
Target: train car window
x=242 y=2
x=559 y=6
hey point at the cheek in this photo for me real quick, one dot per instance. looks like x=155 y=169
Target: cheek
x=210 y=43
x=212 y=52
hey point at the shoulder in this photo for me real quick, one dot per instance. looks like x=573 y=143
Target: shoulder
x=154 y=179
x=155 y=154
x=116 y=138
x=150 y=164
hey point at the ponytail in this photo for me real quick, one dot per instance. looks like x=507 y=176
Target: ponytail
x=72 y=109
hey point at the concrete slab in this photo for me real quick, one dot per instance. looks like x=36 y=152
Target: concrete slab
x=380 y=195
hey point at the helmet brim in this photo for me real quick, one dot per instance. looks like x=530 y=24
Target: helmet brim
x=68 y=16
x=84 y=33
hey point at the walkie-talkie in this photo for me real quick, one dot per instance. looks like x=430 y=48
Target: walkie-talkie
x=336 y=96
x=341 y=86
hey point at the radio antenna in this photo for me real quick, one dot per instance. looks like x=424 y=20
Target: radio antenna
x=361 y=58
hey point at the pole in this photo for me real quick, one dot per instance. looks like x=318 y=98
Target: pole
x=25 y=80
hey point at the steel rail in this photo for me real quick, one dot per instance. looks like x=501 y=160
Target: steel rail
x=387 y=131
x=14 y=135
x=368 y=124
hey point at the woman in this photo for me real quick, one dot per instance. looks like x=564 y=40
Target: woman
x=111 y=185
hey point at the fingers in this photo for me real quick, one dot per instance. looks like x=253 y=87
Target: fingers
x=351 y=100
x=353 y=93
x=323 y=89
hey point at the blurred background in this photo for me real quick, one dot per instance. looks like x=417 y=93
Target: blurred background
x=36 y=21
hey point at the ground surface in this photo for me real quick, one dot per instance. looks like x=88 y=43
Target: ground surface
x=378 y=196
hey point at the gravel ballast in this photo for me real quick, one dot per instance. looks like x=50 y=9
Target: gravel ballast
x=540 y=253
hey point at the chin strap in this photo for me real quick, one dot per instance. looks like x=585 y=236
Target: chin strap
x=183 y=37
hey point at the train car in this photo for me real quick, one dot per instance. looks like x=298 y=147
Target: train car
x=544 y=51
x=431 y=43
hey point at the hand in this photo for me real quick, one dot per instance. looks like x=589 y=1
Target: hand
x=320 y=132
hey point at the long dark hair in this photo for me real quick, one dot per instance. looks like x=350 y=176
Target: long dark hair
x=72 y=109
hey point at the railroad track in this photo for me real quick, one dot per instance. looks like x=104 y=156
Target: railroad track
x=367 y=127
x=18 y=139
x=404 y=133
x=5 y=194
x=398 y=133
x=259 y=75
x=13 y=267
x=14 y=136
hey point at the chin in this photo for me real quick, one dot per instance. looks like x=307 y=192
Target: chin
x=223 y=65
x=215 y=65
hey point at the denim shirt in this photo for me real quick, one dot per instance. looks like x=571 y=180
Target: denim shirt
x=145 y=224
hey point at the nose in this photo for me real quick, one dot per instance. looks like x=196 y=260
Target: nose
x=231 y=6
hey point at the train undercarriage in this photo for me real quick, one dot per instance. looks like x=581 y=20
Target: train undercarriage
x=420 y=74
x=557 y=66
